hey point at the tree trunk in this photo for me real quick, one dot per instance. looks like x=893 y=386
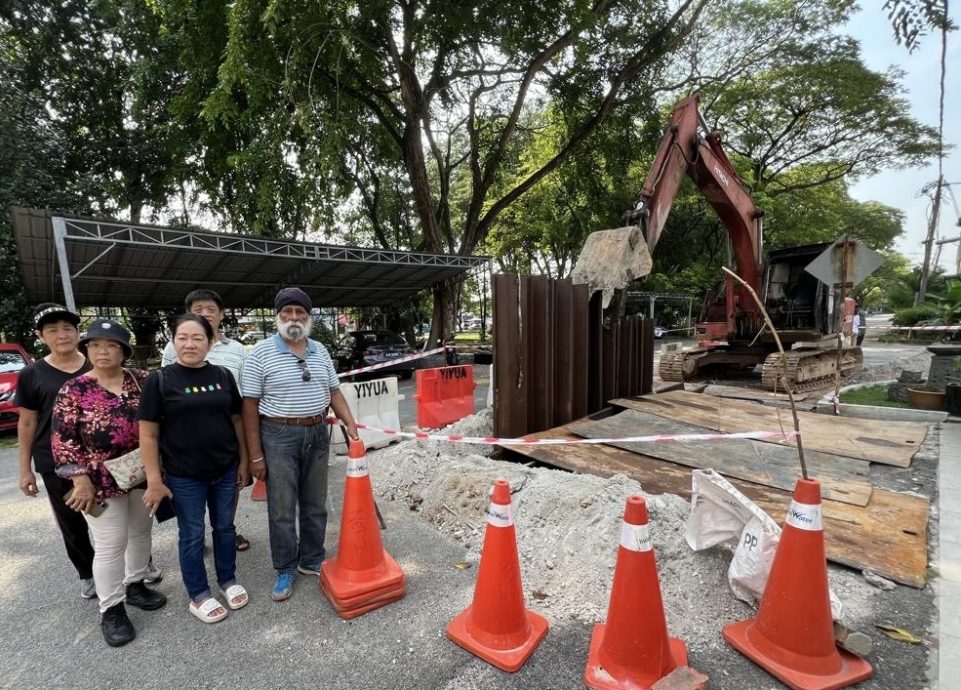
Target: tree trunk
x=444 y=314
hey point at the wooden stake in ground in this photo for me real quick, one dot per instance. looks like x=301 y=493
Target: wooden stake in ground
x=784 y=381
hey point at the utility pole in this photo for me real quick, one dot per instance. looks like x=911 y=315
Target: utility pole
x=929 y=242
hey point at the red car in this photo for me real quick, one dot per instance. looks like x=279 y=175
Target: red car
x=13 y=358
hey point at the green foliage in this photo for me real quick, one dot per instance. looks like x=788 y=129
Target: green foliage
x=406 y=119
x=31 y=158
x=809 y=214
x=911 y=19
x=107 y=74
x=890 y=286
x=441 y=125
x=946 y=302
x=871 y=395
x=912 y=316
x=828 y=113
x=322 y=333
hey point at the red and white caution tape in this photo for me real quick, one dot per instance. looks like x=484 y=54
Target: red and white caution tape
x=393 y=362
x=532 y=441
x=914 y=328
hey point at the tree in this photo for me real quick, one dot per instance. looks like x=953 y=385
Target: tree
x=106 y=74
x=434 y=90
x=789 y=95
x=911 y=20
x=830 y=114
x=544 y=230
x=31 y=156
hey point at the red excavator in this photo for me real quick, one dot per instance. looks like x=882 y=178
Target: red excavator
x=807 y=313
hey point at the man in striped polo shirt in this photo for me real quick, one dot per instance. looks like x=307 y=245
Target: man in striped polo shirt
x=289 y=382
x=224 y=352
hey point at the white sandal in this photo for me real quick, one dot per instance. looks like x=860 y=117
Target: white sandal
x=205 y=610
x=232 y=593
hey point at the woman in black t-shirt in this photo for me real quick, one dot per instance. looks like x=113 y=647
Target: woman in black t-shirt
x=37 y=388
x=190 y=423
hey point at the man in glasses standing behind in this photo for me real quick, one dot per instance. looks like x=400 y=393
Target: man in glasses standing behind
x=288 y=384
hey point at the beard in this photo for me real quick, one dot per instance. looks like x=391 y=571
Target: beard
x=293 y=330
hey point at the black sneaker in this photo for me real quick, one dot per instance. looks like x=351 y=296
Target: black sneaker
x=141 y=596
x=116 y=627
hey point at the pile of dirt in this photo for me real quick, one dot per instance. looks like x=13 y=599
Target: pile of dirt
x=568 y=527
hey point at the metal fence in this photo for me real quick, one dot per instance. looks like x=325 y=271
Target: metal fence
x=555 y=360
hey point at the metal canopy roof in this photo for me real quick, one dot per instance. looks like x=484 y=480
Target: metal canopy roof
x=113 y=264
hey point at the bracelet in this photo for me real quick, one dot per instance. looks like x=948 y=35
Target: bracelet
x=260 y=459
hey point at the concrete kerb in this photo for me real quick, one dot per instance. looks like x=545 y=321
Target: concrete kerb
x=888 y=414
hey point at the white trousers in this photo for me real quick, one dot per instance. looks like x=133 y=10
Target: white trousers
x=121 y=546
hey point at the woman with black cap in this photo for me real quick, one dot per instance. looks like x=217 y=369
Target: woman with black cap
x=94 y=420
x=37 y=388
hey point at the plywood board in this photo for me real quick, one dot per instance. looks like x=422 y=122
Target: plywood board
x=842 y=479
x=761 y=394
x=889 y=443
x=888 y=536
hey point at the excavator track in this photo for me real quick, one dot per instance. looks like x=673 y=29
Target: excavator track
x=674 y=365
x=808 y=370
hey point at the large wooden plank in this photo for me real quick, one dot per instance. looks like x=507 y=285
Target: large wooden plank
x=761 y=394
x=842 y=479
x=888 y=536
x=889 y=443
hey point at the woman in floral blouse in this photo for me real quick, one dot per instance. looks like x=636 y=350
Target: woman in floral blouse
x=95 y=419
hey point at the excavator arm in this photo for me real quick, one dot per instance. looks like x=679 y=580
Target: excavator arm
x=688 y=147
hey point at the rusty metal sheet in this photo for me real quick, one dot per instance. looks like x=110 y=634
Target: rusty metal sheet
x=554 y=359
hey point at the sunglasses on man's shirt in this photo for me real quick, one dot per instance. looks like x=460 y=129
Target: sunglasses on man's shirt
x=304 y=370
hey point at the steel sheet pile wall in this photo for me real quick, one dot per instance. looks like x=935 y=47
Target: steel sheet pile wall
x=554 y=361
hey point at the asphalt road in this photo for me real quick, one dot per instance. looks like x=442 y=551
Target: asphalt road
x=52 y=637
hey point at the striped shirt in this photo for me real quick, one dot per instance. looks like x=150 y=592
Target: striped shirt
x=225 y=353
x=273 y=375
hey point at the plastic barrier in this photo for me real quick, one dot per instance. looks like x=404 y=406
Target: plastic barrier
x=444 y=395
x=373 y=404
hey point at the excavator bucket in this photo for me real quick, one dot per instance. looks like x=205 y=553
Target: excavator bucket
x=611 y=260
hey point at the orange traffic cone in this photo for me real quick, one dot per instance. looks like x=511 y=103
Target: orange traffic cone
x=259 y=492
x=792 y=637
x=496 y=626
x=362 y=576
x=632 y=649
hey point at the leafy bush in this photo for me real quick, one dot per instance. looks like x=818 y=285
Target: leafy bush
x=911 y=316
x=321 y=333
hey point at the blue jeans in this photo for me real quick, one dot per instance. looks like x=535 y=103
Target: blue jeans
x=296 y=458
x=191 y=499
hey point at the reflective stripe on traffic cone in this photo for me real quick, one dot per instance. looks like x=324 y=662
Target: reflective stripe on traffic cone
x=632 y=649
x=496 y=626
x=792 y=637
x=362 y=576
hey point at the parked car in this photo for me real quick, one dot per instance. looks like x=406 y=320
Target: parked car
x=365 y=348
x=13 y=358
